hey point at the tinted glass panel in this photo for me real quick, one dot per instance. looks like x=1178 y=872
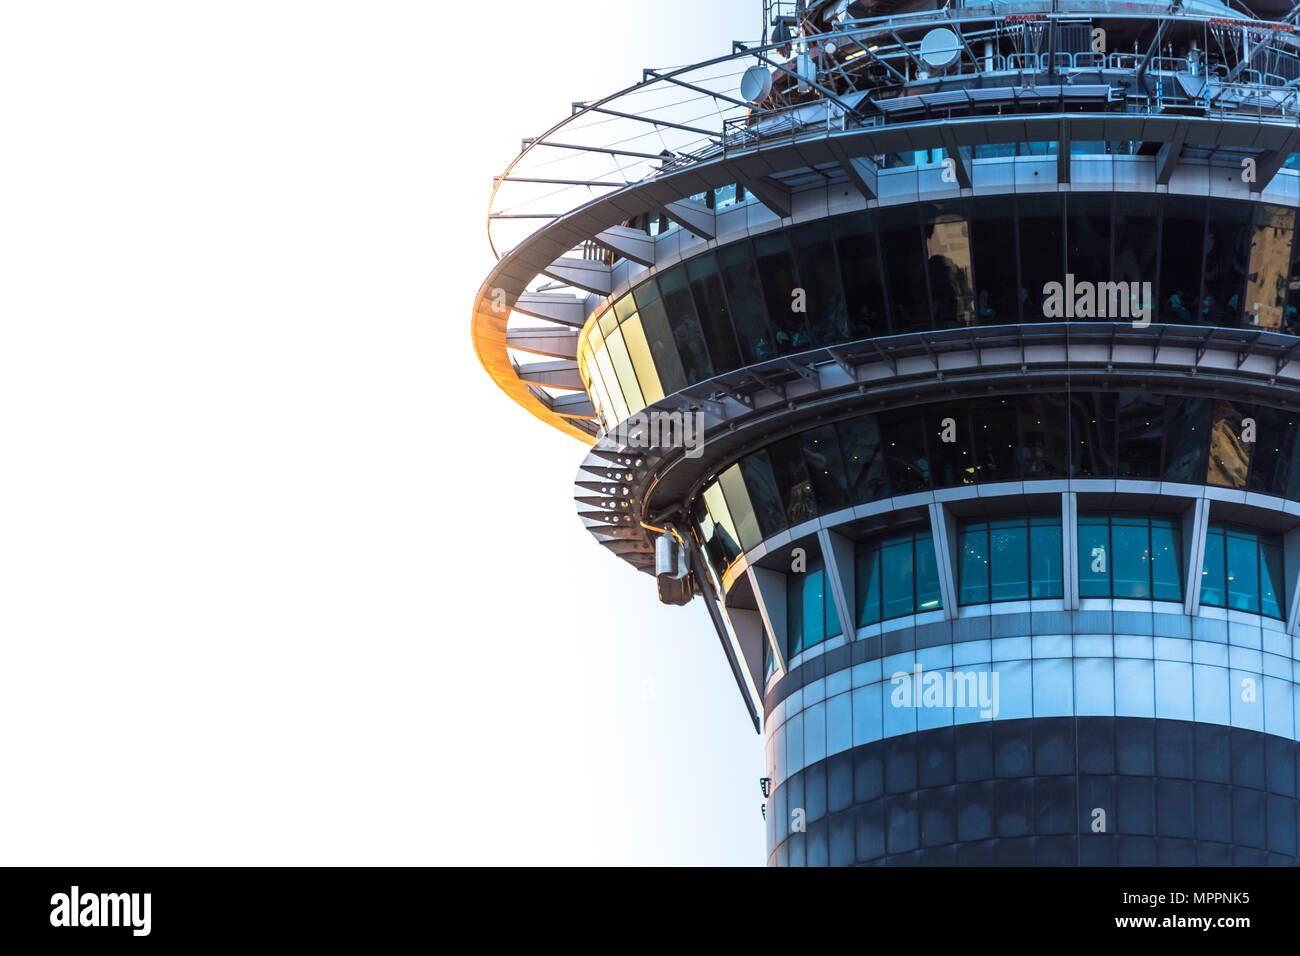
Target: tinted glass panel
x=859 y=261
x=659 y=336
x=993 y=249
x=745 y=297
x=711 y=306
x=900 y=244
x=1227 y=255
x=864 y=459
x=776 y=271
x=1141 y=434
x=820 y=274
x=685 y=326
x=948 y=261
x=1042 y=248
x=1182 y=236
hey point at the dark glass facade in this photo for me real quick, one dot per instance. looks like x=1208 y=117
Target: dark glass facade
x=939 y=265
x=1085 y=791
x=1139 y=435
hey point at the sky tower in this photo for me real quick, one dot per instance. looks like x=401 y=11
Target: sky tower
x=951 y=358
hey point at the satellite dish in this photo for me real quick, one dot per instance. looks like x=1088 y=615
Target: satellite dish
x=756 y=84
x=940 y=48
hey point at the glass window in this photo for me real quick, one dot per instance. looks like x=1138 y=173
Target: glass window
x=1010 y=559
x=745 y=296
x=864 y=460
x=1243 y=570
x=638 y=350
x=948 y=430
x=1043 y=436
x=776 y=272
x=859 y=259
x=728 y=541
x=659 y=336
x=1130 y=556
x=820 y=275
x=900 y=243
x=821 y=454
x=617 y=404
x=1141 y=427
x=687 y=337
x=1266 y=276
x=905 y=453
x=625 y=308
x=1094 y=556
x=948 y=260
x=715 y=317
x=1187 y=424
x=1273 y=466
x=792 y=480
x=1042 y=250
x=1045 y=557
x=993 y=249
x=973 y=563
x=810 y=609
x=764 y=494
x=1214 y=585
x=1092 y=433
x=867 y=582
x=1088 y=248
x=896 y=576
x=622 y=362
x=1227 y=254
x=1229 y=455
x=1166 y=559
x=1182 y=242
x=993 y=422
x=1137 y=241
x=742 y=510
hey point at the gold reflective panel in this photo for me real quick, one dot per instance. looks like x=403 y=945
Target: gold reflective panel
x=947 y=253
x=1270 y=261
x=616 y=410
x=1229 y=454
x=624 y=307
x=717 y=505
x=639 y=350
x=607 y=323
x=734 y=491
x=623 y=369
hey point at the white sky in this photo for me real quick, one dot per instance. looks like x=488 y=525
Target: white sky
x=283 y=578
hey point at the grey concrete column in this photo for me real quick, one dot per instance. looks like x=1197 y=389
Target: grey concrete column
x=943 y=529
x=747 y=626
x=769 y=592
x=837 y=554
x=1070 y=549
x=1291 y=568
x=1196 y=521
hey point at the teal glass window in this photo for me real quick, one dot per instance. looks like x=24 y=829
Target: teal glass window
x=1009 y=559
x=810 y=609
x=1243 y=570
x=1130 y=556
x=896 y=576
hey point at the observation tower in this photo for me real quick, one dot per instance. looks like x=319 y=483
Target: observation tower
x=951 y=357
